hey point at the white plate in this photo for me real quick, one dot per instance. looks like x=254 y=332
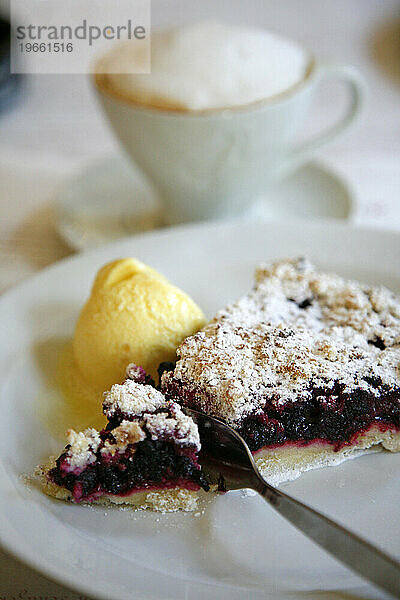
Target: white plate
x=238 y=547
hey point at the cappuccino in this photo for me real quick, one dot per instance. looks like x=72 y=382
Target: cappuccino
x=206 y=66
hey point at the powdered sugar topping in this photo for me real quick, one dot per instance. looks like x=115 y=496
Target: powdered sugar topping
x=83 y=447
x=173 y=425
x=131 y=399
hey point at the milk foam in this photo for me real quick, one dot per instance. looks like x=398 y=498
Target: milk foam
x=208 y=65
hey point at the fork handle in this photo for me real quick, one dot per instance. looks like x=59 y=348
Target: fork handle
x=356 y=553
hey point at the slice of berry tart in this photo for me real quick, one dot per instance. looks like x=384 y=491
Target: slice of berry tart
x=306 y=367
x=146 y=456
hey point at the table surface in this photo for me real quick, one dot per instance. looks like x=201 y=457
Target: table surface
x=55 y=129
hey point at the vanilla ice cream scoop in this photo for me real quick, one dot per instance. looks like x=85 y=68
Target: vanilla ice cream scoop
x=135 y=315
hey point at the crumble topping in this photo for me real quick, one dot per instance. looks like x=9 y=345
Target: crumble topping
x=149 y=409
x=129 y=432
x=295 y=330
x=173 y=425
x=131 y=399
x=135 y=372
x=83 y=447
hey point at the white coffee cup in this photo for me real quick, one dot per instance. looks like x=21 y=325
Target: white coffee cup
x=210 y=163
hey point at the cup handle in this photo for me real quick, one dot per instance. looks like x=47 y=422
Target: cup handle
x=355 y=85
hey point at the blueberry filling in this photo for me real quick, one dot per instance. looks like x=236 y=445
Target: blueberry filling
x=334 y=416
x=378 y=343
x=304 y=303
x=164 y=367
x=153 y=463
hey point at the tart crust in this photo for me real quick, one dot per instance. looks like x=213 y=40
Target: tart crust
x=288 y=462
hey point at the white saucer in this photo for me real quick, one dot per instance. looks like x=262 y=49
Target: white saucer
x=111 y=199
x=312 y=192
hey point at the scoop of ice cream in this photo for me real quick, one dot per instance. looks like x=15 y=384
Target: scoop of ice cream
x=135 y=315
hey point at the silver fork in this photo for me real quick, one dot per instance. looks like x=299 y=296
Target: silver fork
x=225 y=452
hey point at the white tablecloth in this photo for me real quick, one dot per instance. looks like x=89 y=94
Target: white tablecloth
x=55 y=128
